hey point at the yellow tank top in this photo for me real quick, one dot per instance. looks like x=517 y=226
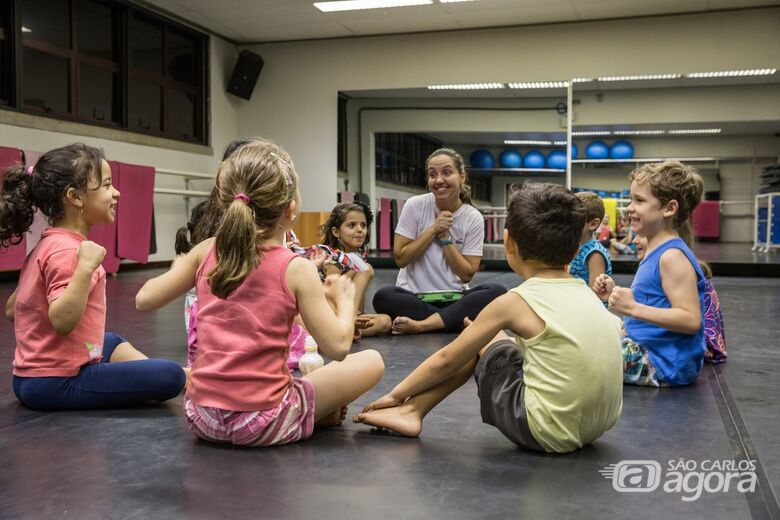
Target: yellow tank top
x=573 y=370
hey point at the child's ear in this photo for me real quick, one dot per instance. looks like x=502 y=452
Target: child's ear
x=671 y=208
x=334 y=231
x=291 y=209
x=510 y=247
x=74 y=197
x=594 y=224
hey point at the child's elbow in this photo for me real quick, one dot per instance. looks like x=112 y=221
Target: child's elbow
x=142 y=302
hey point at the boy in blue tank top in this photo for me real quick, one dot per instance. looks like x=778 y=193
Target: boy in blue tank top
x=664 y=343
x=592 y=259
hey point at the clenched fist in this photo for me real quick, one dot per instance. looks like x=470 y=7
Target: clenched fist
x=622 y=301
x=90 y=254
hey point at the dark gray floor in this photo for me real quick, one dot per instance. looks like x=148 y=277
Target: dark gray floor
x=143 y=463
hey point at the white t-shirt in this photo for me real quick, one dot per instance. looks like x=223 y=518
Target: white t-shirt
x=431 y=272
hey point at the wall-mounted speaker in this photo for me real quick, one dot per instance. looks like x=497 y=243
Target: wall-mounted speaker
x=245 y=74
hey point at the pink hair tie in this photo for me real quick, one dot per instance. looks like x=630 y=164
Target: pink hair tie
x=30 y=170
x=244 y=197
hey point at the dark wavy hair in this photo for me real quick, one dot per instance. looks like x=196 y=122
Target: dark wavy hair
x=337 y=218
x=545 y=221
x=44 y=188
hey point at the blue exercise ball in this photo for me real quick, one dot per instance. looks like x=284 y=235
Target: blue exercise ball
x=621 y=150
x=510 y=159
x=482 y=159
x=597 y=150
x=557 y=160
x=534 y=159
x=574 y=151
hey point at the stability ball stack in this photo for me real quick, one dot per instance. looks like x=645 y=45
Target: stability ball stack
x=534 y=159
x=510 y=159
x=557 y=160
x=482 y=159
x=597 y=150
x=621 y=150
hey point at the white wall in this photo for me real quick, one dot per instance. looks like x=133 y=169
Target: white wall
x=170 y=212
x=296 y=98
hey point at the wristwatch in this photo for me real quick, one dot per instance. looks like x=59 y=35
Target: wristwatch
x=444 y=242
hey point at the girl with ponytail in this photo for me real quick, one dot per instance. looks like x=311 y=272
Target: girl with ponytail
x=250 y=287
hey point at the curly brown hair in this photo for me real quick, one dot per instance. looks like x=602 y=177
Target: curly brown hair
x=673 y=180
x=44 y=187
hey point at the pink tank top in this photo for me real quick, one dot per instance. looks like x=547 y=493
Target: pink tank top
x=242 y=341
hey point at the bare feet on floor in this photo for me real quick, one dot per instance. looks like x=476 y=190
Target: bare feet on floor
x=400 y=419
x=404 y=325
x=334 y=419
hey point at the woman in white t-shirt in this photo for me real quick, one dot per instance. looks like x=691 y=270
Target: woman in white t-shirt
x=438 y=246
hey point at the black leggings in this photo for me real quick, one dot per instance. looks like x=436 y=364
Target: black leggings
x=395 y=301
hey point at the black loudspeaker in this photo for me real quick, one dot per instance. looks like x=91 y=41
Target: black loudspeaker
x=245 y=74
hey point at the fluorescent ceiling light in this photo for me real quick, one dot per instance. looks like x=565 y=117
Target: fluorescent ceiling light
x=638 y=132
x=530 y=142
x=591 y=133
x=729 y=73
x=539 y=84
x=582 y=80
x=694 y=131
x=354 y=5
x=637 y=78
x=467 y=86
x=559 y=143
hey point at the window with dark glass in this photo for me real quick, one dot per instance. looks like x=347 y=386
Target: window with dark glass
x=6 y=53
x=103 y=62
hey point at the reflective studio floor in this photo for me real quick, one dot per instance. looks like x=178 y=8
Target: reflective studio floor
x=143 y=462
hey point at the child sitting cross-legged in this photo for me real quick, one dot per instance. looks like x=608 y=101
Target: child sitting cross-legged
x=558 y=385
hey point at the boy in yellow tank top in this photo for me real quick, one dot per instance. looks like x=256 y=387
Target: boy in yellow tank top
x=561 y=385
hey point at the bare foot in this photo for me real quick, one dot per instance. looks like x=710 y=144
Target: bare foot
x=402 y=419
x=334 y=419
x=187 y=371
x=404 y=325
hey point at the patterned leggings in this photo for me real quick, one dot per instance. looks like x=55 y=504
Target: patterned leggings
x=637 y=367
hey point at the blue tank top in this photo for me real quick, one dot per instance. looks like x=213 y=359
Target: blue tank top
x=677 y=357
x=579 y=266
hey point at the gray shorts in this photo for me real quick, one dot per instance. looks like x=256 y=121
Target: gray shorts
x=499 y=377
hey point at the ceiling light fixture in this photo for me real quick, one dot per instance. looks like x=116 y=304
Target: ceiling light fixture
x=638 y=132
x=731 y=73
x=539 y=84
x=582 y=80
x=530 y=142
x=455 y=1
x=467 y=86
x=591 y=133
x=695 y=131
x=639 y=78
x=354 y=5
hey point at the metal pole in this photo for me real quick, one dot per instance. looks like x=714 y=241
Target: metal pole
x=569 y=118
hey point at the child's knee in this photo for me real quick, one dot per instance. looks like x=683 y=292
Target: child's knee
x=172 y=378
x=375 y=365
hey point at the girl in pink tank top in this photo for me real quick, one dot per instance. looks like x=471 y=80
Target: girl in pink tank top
x=250 y=287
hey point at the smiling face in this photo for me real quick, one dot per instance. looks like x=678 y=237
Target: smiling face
x=641 y=246
x=352 y=232
x=101 y=197
x=444 y=179
x=646 y=214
